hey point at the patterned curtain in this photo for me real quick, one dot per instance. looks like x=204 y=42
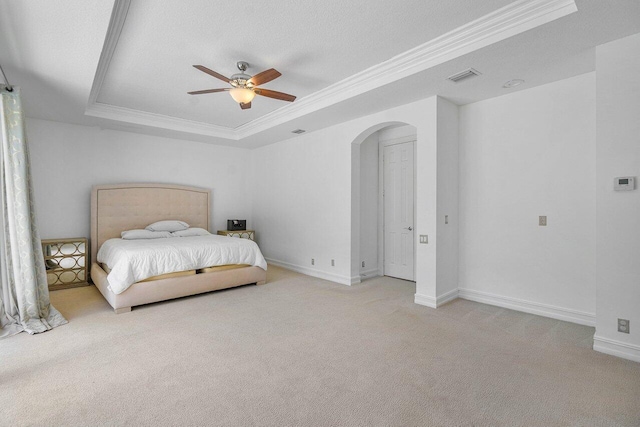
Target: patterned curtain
x=24 y=296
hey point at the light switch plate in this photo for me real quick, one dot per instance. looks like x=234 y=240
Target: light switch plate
x=542 y=220
x=424 y=238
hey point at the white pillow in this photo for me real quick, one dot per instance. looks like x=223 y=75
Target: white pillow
x=144 y=234
x=189 y=232
x=167 y=226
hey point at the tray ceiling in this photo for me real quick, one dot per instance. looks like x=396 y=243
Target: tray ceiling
x=313 y=44
x=128 y=65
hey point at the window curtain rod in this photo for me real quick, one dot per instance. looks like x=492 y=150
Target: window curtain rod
x=4 y=76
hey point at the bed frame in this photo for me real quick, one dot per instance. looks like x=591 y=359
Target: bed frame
x=115 y=208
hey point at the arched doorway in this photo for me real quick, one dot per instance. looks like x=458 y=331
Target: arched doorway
x=370 y=247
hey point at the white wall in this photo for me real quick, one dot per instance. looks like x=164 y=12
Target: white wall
x=309 y=178
x=396 y=132
x=302 y=202
x=618 y=213
x=369 y=205
x=522 y=155
x=66 y=160
x=426 y=205
x=447 y=233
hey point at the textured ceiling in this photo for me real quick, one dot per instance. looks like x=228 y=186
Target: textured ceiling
x=313 y=44
x=52 y=47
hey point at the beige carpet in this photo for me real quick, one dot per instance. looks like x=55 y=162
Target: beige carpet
x=303 y=351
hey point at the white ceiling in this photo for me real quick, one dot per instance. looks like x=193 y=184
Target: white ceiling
x=314 y=44
x=342 y=59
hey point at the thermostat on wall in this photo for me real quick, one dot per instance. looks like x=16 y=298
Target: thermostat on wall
x=625 y=183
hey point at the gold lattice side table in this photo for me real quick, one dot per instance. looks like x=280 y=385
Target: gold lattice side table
x=243 y=234
x=65 y=261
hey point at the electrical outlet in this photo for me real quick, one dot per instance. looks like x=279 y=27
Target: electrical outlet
x=623 y=326
x=363 y=264
x=333 y=263
x=313 y=261
x=424 y=238
x=542 y=220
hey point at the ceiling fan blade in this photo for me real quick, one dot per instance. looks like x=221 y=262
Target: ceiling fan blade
x=212 y=73
x=245 y=106
x=274 y=94
x=265 y=77
x=200 y=92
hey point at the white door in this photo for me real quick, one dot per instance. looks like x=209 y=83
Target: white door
x=398 y=211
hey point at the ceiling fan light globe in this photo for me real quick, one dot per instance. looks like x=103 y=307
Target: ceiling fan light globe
x=242 y=95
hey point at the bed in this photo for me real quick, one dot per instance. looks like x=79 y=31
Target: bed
x=115 y=208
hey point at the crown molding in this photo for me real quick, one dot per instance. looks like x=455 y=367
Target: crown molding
x=508 y=21
x=118 y=18
x=499 y=25
x=144 y=118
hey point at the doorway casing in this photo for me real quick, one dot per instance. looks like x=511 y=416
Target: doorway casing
x=436 y=156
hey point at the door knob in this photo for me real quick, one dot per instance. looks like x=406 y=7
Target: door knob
x=409 y=228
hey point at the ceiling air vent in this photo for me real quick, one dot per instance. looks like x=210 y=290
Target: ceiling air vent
x=463 y=75
x=298 y=131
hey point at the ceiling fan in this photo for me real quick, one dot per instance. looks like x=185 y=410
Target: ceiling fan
x=244 y=87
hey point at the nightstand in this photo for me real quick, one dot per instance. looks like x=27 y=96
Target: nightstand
x=243 y=234
x=65 y=261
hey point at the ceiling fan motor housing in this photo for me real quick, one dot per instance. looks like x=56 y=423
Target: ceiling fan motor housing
x=241 y=80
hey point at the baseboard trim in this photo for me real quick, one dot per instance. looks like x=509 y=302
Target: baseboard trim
x=432 y=302
x=425 y=300
x=539 y=309
x=446 y=297
x=616 y=348
x=343 y=280
x=367 y=274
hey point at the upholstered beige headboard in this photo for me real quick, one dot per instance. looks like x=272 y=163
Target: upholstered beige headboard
x=115 y=208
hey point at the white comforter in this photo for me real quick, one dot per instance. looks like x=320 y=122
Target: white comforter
x=133 y=260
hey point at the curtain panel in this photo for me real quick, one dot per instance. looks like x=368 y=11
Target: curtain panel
x=24 y=295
